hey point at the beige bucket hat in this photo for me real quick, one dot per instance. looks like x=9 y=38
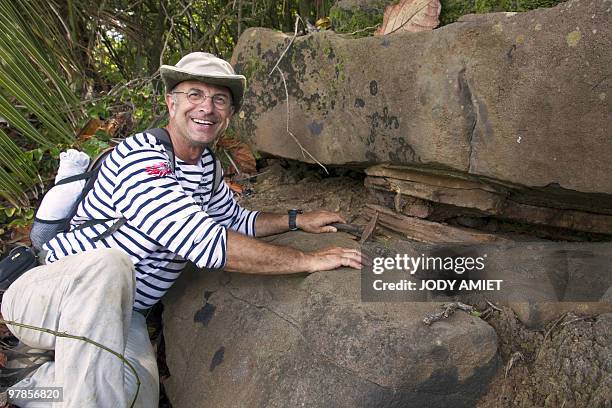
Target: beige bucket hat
x=204 y=67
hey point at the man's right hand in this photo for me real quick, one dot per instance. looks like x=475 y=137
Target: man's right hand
x=250 y=255
x=332 y=258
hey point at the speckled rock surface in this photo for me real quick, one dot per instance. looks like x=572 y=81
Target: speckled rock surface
x=308 y=341
x=522 y=98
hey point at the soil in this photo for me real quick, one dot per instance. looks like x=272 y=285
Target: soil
x=568 y=364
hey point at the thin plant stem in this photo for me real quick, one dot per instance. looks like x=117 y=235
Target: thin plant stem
x=302 y=148
x=297 y=22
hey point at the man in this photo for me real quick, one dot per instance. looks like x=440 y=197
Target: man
x=90 y=284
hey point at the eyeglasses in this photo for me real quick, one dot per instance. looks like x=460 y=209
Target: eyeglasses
x=220 y=101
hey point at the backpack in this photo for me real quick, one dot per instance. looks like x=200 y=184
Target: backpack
x=45 y=230
x=18 y=261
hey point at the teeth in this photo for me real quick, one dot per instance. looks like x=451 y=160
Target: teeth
x=202 y=122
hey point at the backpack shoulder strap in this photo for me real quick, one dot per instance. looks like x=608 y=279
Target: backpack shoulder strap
x=91 y=175
x=163 y=137
x=217 y=172
x=76 y=177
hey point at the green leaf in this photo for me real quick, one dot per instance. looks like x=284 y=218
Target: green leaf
x=55 y=152
x=93 y=147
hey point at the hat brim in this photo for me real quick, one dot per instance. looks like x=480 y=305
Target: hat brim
x=172 y=76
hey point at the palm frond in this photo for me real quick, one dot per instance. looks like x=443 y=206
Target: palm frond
x=16 y=173
x=37 y=67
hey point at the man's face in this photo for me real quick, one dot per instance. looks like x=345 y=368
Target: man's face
x=199 y=124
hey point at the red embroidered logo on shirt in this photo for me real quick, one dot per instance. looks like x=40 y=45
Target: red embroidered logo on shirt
x=160 y=169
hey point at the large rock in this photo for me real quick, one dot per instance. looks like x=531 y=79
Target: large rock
x=309 y=341
x=521 y=98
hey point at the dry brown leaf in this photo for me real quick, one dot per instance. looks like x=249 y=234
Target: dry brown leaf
x=241 y=154
x=228 y=143
x=90 y=129
x=244 y=159
x=236 y=188
x=4 y=331
x=120 y=124
x=3 y=359
x=410 y=15
x=21 y=234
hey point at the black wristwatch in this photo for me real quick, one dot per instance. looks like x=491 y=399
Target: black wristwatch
x=292 y=218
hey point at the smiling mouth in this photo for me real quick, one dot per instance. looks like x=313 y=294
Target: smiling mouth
x=202 y=122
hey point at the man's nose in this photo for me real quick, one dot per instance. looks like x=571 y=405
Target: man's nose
x=207 y=104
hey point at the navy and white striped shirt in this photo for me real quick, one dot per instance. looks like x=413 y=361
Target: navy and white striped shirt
x=171 y=218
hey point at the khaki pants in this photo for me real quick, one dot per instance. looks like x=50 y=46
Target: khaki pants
x=90 y=294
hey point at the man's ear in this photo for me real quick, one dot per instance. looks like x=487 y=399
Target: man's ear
x=171 y=104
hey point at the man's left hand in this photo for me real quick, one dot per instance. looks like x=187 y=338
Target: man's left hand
x=318 y=221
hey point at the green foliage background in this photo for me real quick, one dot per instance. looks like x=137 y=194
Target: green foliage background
x=350 y=16
x=453 y=9
x=63 y=62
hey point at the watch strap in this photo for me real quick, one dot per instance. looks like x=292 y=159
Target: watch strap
x=293 y=218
